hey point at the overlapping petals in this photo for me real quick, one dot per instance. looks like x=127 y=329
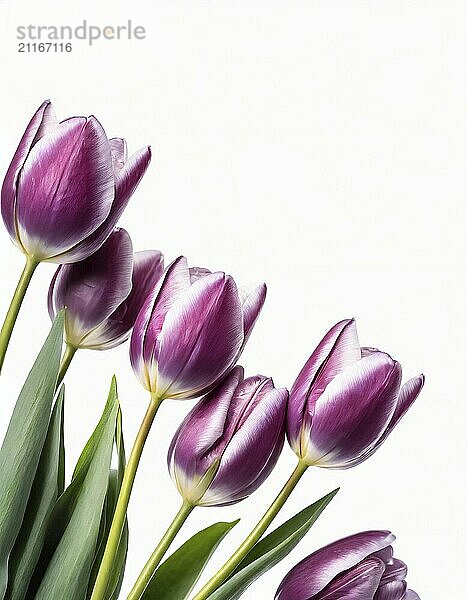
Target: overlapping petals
x=103 y=294
x=346 y=401
x=359 y=567
x=191 y=331
x=67 y=186
x=229 y=443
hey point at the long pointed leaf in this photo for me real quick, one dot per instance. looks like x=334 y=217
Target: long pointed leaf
x=44 y=493
x=271 y=550
x=113 y=490
x=68 y=572
x=24 y=439
x=177 y=576
x=64 y=507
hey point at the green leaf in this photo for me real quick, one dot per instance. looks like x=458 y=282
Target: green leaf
x=24 y=439
x=113 y=490
x=44 y=493
x=65 y=505
x=177 y=576
x=68 y=572
x=271 y=550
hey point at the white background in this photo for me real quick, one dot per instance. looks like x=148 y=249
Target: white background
x=320 y=146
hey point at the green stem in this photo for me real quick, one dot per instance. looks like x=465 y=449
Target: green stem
x=67 y=357
x=15 y=305
x=100 y=586
x=146 y=574
x=256 y=534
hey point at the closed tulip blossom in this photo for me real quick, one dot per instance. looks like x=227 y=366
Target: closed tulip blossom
x=63 y=193
x=103 y=294
x=191 y=331
x=230 y=442
x=66 y=187
x=358 y=567
x=346 y=401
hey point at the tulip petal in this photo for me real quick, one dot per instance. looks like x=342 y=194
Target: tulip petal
x=360 y=583
x=198 y=272
x=128 y=178
x=126 y=181
x=242 y=470
x=315 y=572
x=42 y=122
x=251 y=307
x=353 y=411
x=200 y=338
x=92 y=289
x=66 y=187
x=407 y=396
x=151 y=317
x=199 y=431
x=395 y=590
x=148 y=267
x=395 y=571
x=337 y=350
x=386 y=555
x=118 y=149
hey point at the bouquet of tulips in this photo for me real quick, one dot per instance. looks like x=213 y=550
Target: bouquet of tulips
x=66 y=538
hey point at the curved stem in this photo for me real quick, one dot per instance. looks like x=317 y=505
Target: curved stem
x=15 y=305
x=67 y=357
x=258 y=531
x=100 y=585
x=146 y=574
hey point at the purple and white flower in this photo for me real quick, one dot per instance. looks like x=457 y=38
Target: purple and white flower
x=191 y=331
x=103 y=294
x=230 y=442
x=358 y=567
x=346 y=401
x=67 y=186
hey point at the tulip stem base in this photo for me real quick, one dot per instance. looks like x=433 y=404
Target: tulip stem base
x=107 y=563
x=148 y=571
x=15 y=305
x=229 y=567
x=67 y=357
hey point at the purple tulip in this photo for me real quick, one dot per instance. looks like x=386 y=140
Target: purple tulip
x=103 y=294
x=346 y=401
x=191 y=331
x=358 y=567
x=67 y=186
x=230 y=442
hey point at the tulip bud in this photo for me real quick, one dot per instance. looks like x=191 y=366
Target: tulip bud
x=230 y=442
x=67 y=186
x=103 y=294
x=358 y=566
x=346 y=401
x=191 y=331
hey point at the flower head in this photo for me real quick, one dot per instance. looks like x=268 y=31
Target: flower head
x=230 y=442
x=358 y=567
x=346 y=400
x=67 y=186
x=103 y=294
x=191 y=331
